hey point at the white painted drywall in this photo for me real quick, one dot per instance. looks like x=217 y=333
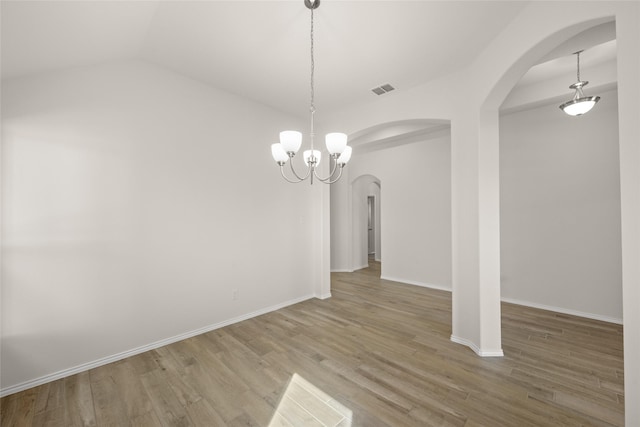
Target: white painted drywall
x=340 y=217
x=135 y=201
x=560 y=209
x=628 y=48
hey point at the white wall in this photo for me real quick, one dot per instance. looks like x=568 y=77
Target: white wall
x=560 y=209
x=340 y=220
x=628 y=66
x=415 y=214
x=135 y=202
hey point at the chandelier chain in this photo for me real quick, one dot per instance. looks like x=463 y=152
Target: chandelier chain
x=312 y=66
x=312 y=107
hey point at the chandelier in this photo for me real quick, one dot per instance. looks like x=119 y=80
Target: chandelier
x=291 y=140
x=580 y=104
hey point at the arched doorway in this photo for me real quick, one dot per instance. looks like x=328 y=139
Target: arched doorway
x=366 y=220
x=560 y=187
x=410 y=162
x=487 y=139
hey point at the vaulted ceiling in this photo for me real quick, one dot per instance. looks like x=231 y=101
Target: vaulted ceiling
x=260 y=49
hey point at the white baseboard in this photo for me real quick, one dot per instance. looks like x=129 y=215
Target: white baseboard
x=123 y=355
x=421 y=284
x=349 y=270
x=564 y=311
x=324 y=296
x=519 y=302
x=476 y=349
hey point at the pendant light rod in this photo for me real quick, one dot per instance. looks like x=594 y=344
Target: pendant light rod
x=578 y=63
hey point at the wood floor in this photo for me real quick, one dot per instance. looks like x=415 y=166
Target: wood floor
x=379 y=349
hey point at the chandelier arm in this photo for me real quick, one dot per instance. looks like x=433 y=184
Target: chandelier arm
x=335 y=165
x=333 y=171
x=287 y=178
x=337 y=178
x=296 y=174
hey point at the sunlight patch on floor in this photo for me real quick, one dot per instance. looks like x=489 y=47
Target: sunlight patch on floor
x=304 y=404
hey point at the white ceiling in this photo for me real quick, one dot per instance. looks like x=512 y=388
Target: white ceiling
x=598 y=44
x=48 y=35
x=260 y=49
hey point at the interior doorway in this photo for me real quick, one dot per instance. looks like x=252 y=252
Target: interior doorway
x=365 y=221
x=371 y=230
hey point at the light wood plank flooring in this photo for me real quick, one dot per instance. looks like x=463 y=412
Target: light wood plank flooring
x=379 y=349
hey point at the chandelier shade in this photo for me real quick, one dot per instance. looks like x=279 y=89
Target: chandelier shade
x=579 y=104
x=344 y=158
x=278 y=153
x=291 y=140
x=312 y=156
x=336 y=142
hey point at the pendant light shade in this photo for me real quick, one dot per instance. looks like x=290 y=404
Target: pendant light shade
x=580 y=104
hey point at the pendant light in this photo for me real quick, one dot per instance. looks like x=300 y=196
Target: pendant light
x=291 y=140
x=580 y=104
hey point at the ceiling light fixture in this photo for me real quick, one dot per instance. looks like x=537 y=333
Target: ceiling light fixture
x=580 y=104
x=291 y=140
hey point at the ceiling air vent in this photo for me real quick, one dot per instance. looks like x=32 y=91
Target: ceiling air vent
x=380 y=90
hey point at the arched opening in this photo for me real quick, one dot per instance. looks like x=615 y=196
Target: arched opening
x=405 y=167
x=477 y=295
x=595 y=147
x=476 y=289
x=476 y=284
x=559 y=185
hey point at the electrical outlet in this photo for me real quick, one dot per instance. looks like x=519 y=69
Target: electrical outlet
x=235 y=294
